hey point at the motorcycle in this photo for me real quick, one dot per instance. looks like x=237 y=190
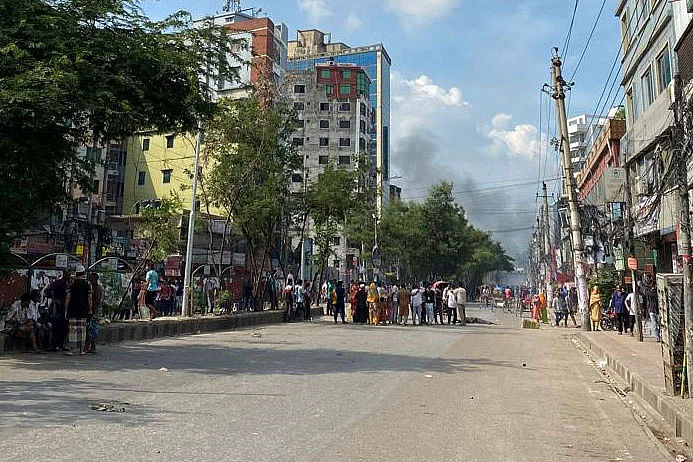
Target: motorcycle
x=608 y=321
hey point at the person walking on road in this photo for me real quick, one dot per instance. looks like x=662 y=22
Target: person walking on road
x=394 y=303
x=403 y=299
x=557 y=308
x=79 y=307
x=361 y=305
x=618 y=304
x=340 y=306
x=289 y=300
x=416 y=301
x=461 y=298
x=572 y=306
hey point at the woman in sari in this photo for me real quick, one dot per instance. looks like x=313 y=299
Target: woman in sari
x=595 y=308
x=373 y=300
x=536 y=308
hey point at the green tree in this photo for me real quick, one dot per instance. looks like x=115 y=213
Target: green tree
x=85 y=72
x=249 y=146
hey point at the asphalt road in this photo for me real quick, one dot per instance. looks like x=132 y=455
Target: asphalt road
x=321 y=392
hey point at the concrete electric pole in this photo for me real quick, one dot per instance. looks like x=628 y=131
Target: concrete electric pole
x=680 y=148
x=571 y=189
x=187 y=281
x=546 y=232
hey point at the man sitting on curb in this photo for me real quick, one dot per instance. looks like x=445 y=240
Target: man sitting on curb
x=19 y=322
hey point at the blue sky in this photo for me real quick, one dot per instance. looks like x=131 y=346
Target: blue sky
x=465 y=86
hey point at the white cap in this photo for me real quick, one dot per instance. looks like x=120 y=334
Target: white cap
x=80 y=269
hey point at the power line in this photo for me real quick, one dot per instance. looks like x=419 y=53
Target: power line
x=587 y=44
x=570 y=29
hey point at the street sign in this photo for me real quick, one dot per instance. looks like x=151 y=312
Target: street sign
x=632 y=263
x=61 y=261
x=615 y=183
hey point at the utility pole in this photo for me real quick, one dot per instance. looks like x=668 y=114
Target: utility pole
x=187 y=282
x=571 y=189
x=680 y=148
x=546 y=232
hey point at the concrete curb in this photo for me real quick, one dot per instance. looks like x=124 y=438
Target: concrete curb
x=141 y=331
x=680 y=422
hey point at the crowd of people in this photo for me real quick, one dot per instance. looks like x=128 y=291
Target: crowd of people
x=397 y=304
x=62 y=318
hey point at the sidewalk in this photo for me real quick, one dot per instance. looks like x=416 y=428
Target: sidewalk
x=128 y=331
x=640 y=365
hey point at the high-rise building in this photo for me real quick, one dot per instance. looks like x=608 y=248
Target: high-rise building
x=335 y=122
x=313 y=47
x=581 y=132
x=259 y=46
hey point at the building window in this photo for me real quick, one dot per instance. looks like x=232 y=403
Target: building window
x=362 y=144
x=300 y=123
x=299 y=88
x=324 y=124
x=346 y=74
x=329 y=90
x=297 y=142
x=336 y=241
x=324 y=106
x=364 y=112
x=664 y=69
x=145 y=144
x=325 y=73
x=345 y=89
x=345 y=124
x=324 y=142
x=140 y=178
x=167 y=175
x=344 y=142
x=97 y=183
x=344 y=107
x=344 y=160
x=169 y=141
x=625 y=33
x=299 y=105
x=324 y=160
x=296 y=178
x=363 y=126
x=647 y=89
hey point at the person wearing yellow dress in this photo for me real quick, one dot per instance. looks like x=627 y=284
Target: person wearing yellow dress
x=544 y=308
x=373 y=301
x=595 y=308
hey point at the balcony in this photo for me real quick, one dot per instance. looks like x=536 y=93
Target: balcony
x=650 y=126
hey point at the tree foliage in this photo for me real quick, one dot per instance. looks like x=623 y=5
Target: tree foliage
x=158 y=226
x=84 y=72
x=434 y=240
x=249 y=147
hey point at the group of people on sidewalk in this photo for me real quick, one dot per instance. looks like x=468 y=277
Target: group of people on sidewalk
x=396 y=304
x=622 y=309
x=63 y=317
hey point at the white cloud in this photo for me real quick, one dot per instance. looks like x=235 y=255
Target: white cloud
x=317 y=10
x=518 y=141
x=421 y=11
x=423 y=88
x=352 y=21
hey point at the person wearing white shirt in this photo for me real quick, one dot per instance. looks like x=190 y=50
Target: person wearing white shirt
x=461 y=299
x=451 y=303
x=393 y=304
x=630 y=304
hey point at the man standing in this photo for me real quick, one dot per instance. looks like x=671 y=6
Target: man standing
x=451 y=304
x=307 y=301
x=653 y=309
x=430 y=300
x=394 y=305
x=461 y=299
x=79 y=308
x=57 y=291
x=92 y=322
x=328 y=295
x=618 y=304
x=416 y=301
x=339 y=307
x=299 y=294
x=152 y=291
x=289 y=300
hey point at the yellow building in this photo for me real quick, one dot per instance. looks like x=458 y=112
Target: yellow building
x=159 y=165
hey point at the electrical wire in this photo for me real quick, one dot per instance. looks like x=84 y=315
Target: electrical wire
x=587 y=44
x=566 y=44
